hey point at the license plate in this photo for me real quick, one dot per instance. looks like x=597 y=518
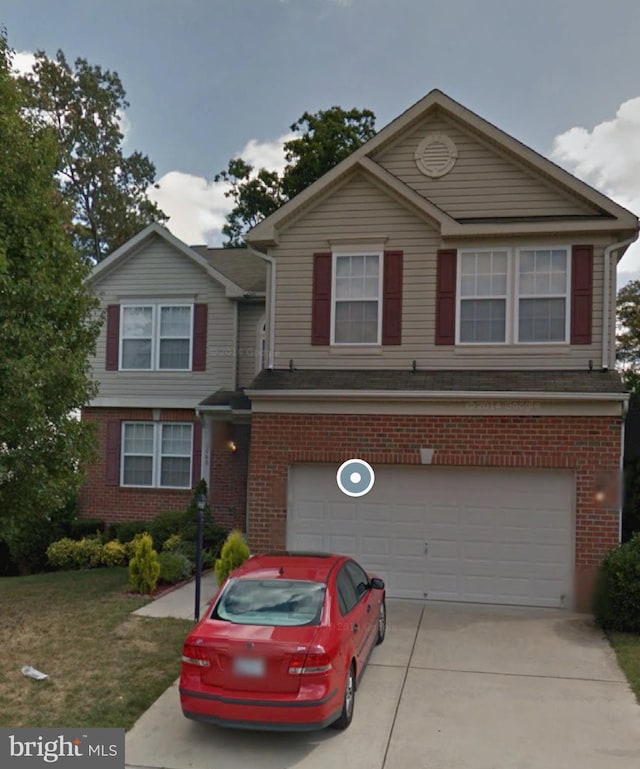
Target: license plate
x=248 y=666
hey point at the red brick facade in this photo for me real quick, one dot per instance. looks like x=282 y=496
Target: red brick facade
x=227 y=481
x=590 y=446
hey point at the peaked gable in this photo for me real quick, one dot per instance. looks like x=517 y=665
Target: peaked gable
x=593 y=210
x=484 y=181
x=146 y=236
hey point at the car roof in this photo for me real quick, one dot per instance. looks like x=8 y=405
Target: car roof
x=290 y=565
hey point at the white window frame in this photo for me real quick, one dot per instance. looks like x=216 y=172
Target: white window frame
x=157 y=455
x=566 y=296
x=334 y=261
x=156 y=313
x=507 y=297
x=513 y=294
x=121 y=340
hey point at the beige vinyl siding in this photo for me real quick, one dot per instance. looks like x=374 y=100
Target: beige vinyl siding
x=250 y=317
x=360 y=210
x=484 y=181
x=159 y=272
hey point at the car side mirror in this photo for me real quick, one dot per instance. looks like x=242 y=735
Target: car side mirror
x=376 y=583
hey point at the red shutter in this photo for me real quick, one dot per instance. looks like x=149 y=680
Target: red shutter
x=392 y=298
x=113 y=337
x=197 y=453
x=199 y=357
x=446 y=296
x=112 y=454
x=581 y=294
x=321 y=304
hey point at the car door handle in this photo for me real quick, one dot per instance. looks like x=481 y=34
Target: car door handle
x=355 y=627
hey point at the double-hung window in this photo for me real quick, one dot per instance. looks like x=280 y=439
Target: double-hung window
x=513 y=295
x=357 y=303
x=157 y=454
x=483 y=296
x=542 y=293
x=156 y=337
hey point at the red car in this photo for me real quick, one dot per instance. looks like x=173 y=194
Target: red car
x=283 y=644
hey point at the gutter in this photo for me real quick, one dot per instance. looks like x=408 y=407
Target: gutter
x=605 y=297
x=625 y=411
x=416 y=395
x=272 y=304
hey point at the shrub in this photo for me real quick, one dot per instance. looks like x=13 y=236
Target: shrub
x=130 y=546
x=87 y=553
x=85 y=527
x=125 y=531
x=172 y=544
x=174 y=567
x=235 y=551
x=61 y=554
x=617 y=592
x=113 y=554
x=144 y=567
x=164 y=525
x=25 y=543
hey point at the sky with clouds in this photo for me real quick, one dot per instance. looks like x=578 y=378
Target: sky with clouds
x=208 y=80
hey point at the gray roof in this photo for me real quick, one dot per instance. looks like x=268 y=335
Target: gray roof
x=239 y=265
x=236 y=400
x=449 y=380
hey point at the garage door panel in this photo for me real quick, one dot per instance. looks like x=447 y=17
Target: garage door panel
x=376 y=513
x=494 y=535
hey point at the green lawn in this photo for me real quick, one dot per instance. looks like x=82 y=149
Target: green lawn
x=627 y=649
x=105 y=666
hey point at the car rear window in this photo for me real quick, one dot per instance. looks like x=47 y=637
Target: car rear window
x=271 y=602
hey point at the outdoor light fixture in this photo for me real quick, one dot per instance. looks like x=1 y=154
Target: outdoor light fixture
x=232 y=447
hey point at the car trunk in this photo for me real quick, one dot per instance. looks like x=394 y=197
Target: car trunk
x=257 y=658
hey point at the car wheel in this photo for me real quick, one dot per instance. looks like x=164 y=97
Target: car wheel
x=349 y=701
x=382 y=623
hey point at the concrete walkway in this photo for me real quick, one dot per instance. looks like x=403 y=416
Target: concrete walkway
x=460 y=686
x=180 y=603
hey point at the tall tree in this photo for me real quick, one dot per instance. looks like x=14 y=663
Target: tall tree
x=323 y=139
x=628 y=336
x=105 y=188
x=48 y=327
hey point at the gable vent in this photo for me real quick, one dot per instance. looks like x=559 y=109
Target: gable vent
x=436 y=155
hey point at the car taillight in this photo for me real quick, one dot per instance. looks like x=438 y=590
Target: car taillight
x=195 y=655
x=313 y=662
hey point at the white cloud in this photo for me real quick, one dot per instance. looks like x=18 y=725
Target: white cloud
x=23 y=62
x=608 y=157
x=269 y=154
x=197 y=207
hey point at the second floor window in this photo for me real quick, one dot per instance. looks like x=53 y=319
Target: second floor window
x=156 y=336
x=356 y=298
x=513 y=296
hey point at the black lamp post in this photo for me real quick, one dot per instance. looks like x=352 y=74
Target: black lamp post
x=202 y=503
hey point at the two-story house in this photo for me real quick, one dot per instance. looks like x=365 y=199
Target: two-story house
x=442 y=305
x=184 y=333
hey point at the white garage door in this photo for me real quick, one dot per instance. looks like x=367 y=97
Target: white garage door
x=451 y=534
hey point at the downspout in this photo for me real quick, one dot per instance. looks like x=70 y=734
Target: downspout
x=272 y=305
x=605 y=298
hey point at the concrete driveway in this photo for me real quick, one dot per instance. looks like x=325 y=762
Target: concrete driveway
x=452 y=687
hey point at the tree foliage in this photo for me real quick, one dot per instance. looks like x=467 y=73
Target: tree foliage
x=105 y=188
x=323 y=140
x=628 y=336
x=48 y=328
